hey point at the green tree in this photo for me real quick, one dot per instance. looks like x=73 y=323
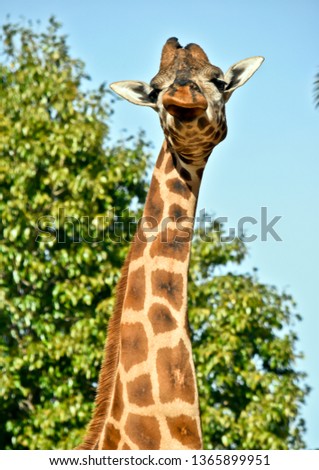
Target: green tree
x=244 y=346
x=61 y=249
x=60 y=255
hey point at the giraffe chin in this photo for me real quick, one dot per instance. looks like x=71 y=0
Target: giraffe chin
x=185 y=114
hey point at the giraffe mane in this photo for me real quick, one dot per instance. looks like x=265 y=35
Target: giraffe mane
x=109 y=366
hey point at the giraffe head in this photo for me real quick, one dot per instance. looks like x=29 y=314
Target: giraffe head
x=189 y=94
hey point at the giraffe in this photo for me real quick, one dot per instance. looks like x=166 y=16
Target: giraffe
x=147 y=394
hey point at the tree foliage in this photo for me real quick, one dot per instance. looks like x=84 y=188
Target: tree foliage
x=58 y=182
x=244 y=343
x=62 y=243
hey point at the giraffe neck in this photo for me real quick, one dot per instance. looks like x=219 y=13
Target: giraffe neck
x=152 y=400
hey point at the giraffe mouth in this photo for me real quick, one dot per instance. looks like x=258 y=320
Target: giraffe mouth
x=184 y=114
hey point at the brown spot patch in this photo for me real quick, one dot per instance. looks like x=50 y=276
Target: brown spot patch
x=185 y=174
x=118 y=404
x=140 y=391
x=175 y=374
x=143 y=431
x=185 y=430
x=135 y=293
x=184 y=230
x=160 y=158
x=200 y=172
x=168 y=285
x=176 y=212
x=112 y=438
x=172 y=244
x=177 y=186
x=170 y=164
x=223 y=135
x=202 y=123
x=134 y=344
x=217 y=135
x=154 y=203
x=139 y=244
x=161 y=318
x=210 y=131
x=126 y=447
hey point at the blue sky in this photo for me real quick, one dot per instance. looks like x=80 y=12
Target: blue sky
x=270 y=157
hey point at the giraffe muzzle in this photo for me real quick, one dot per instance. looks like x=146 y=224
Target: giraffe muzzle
x=185 y=102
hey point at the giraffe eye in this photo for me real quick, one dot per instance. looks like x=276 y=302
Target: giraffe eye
x=219 y=84
x=154 y=94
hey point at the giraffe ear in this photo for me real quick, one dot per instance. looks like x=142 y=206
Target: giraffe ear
x=135 y=92
x=239 y=73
